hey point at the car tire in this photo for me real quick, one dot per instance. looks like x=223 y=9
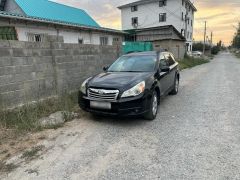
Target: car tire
x=152 y=113
x=176 y=86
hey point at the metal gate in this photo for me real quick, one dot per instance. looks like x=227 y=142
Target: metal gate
x=129 y=47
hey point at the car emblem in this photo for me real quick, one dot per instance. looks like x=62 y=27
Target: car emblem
x=101 y=92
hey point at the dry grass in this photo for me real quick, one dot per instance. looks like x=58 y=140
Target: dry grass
x=6 y=168
x=32 y=153
x=24 y=119
x=189 y=62
x=19 y=129
x=238 y=55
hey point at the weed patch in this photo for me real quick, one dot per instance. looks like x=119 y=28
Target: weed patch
x=24 y=118
x=237 y=55
x=7 y=168
x=189 y=62
x=33 y=153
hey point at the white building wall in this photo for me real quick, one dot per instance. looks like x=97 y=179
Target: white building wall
x=148 y=16
x=69 y=36
x=23 y=32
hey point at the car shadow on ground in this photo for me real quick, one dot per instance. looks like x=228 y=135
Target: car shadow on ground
x=118 y=120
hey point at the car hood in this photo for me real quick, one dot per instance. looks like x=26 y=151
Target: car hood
x=118 y=80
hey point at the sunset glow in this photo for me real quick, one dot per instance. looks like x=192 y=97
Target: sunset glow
x=222 y=16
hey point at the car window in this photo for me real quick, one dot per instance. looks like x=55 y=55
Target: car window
x=170 y=59
x=173 y=58
x=145 y=63
x=163 y=62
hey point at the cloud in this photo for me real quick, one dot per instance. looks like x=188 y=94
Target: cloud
x=212 y=16
x=220 y=15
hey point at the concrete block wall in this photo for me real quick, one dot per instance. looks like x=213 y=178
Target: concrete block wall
x=30 y=71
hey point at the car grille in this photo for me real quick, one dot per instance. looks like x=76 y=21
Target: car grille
x=103 y=94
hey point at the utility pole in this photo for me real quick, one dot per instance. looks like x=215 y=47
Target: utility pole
x=211 y=39
x=205 y=32
x=185 y=32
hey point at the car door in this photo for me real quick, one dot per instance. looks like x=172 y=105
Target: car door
x=164 y=79
x=172 y=69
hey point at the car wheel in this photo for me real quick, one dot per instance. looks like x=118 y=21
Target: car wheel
x=176 y=86
x=151 y=115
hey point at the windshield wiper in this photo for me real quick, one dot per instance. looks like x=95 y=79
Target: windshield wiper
x=129 y=71
x=132 y=71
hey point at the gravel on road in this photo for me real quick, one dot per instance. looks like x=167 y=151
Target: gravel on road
x=196 y=136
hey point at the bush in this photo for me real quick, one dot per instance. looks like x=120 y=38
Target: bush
x=199 y=47
x=215 y=50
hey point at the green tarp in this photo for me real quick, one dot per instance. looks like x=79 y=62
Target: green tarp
x=8 y=33
x=129 y=47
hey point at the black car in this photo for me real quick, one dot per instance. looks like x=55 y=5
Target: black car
x=132 y=85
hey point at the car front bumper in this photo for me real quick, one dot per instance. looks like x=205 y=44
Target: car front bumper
x=123 y=107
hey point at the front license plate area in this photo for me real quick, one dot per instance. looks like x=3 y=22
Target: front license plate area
x=100 y=105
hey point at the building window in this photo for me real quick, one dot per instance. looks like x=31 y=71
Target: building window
x=134 y=8
x=103 y=41
x=191 y=23
x=35 y=37
x=182 y=32
x=38 y=37
x=135 y=21
x=183 y=2
x=162 y=3
x=187 y=44
x=182 y=16
x=80 y=41
x=162 y=17
x=8 y=33
x=115 y=39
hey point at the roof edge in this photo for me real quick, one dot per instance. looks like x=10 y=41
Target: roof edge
x=5 y=14
x=160 y=27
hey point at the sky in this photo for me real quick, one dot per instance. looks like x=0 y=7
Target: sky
x=222 y=16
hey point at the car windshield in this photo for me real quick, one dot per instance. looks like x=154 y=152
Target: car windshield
x=134 y=64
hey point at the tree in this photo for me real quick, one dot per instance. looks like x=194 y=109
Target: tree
x=215 y=50
x=219 y=44
x=236 y=38
x=199 y=47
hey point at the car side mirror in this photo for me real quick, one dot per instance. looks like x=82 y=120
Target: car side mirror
x=105 y=68
x=157 y=75
x=165 y=69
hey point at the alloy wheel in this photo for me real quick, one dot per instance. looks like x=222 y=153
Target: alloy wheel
x=176 y=85
x=154 y=105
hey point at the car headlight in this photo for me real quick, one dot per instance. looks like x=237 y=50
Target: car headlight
x=134 y=91
x=84 y=87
